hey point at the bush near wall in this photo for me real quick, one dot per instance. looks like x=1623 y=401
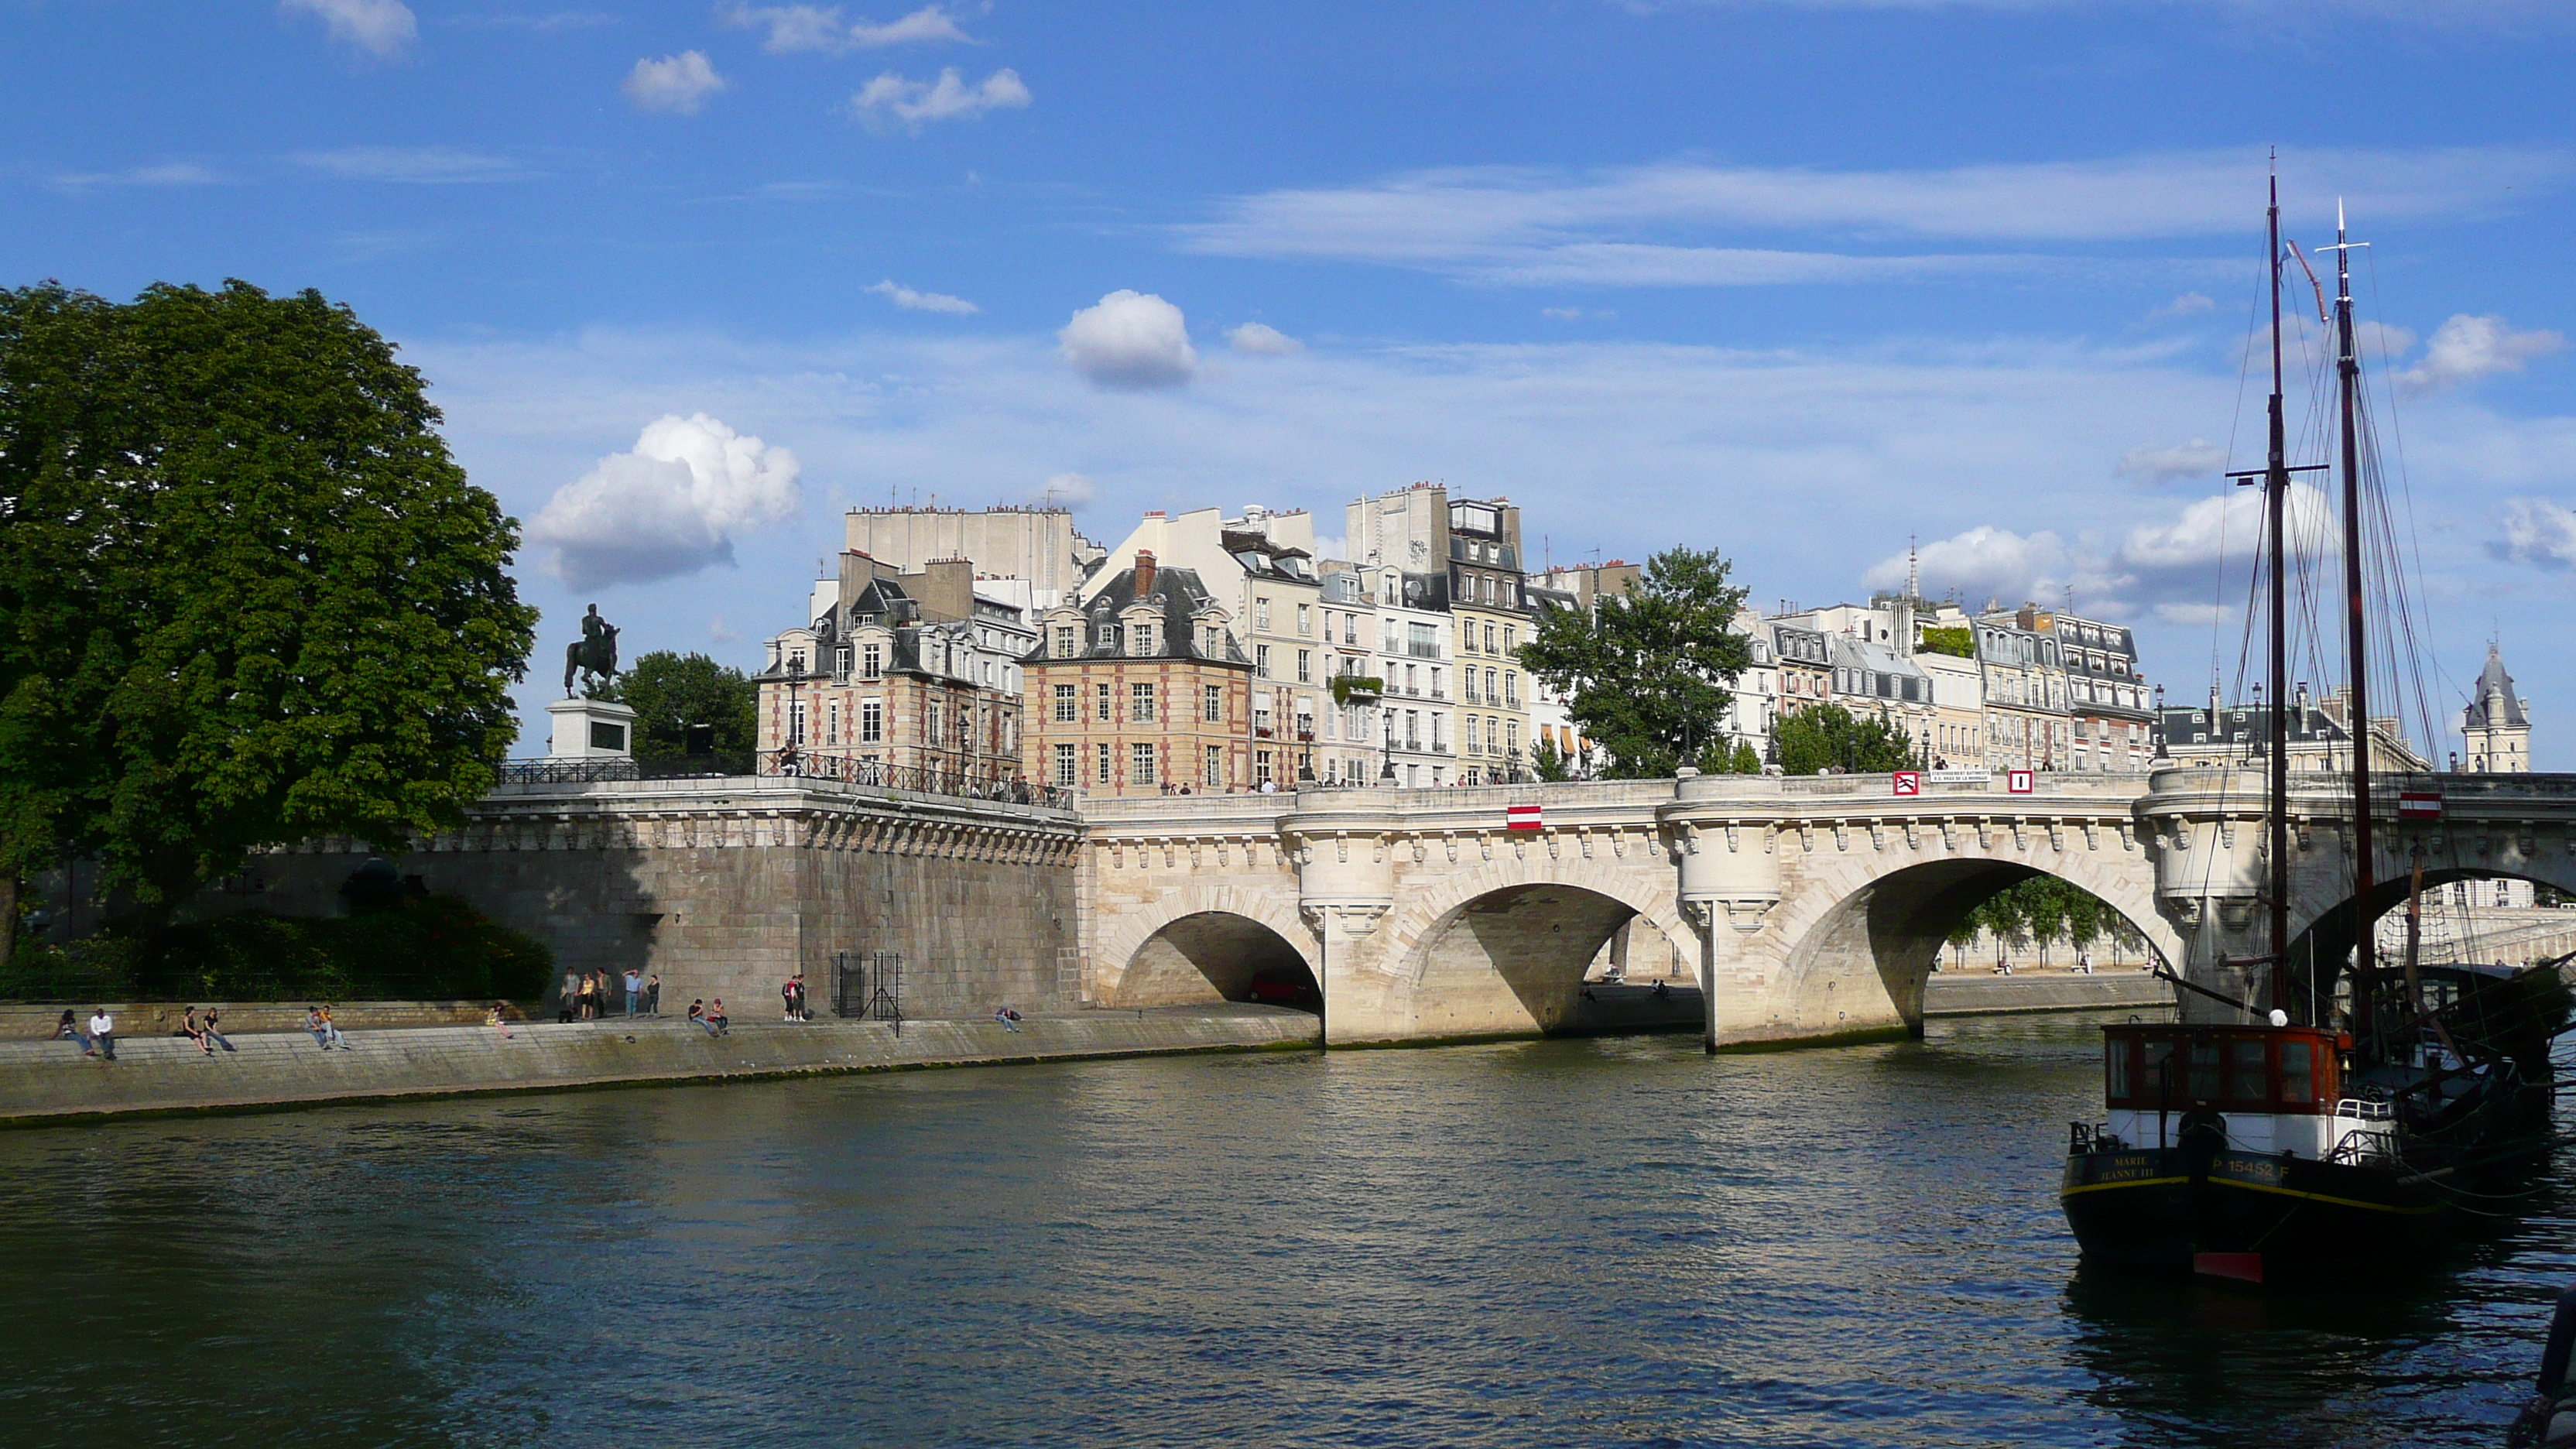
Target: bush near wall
x=422 y=948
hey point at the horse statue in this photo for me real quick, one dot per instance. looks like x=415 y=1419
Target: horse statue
x=593 y=655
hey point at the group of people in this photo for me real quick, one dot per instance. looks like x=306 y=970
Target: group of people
x=206 y=1031
x=712 y=1017
x=588 y=994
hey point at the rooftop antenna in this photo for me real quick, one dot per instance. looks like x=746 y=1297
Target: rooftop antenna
x=1913 y=577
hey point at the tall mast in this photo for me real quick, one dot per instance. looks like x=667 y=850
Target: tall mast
x=2276 y=500
x=2356 y=646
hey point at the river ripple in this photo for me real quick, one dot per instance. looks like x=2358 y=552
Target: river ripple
x=1587 y=1242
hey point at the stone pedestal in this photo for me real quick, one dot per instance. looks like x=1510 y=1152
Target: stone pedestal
x=591 y=729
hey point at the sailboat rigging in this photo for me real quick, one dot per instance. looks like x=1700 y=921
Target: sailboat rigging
x=2267 y=1147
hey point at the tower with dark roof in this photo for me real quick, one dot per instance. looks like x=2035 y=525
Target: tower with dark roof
x=2496 y=725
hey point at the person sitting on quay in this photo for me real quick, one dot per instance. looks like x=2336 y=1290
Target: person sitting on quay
x=1009 y=1019
x=494 y=1019
x=215 y=1031
x=102 y=1035
x=68 y=1030
x=195 y=1033
x=317 y=1020
x=698 y=1012
x=718 y=1024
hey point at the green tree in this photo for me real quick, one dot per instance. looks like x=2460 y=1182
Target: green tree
x=1955 y=642
x=670 y=692
x=1648 y=672
x=246 y=597
x=1829 y=735
x=2041 y=909
x=1549 y=763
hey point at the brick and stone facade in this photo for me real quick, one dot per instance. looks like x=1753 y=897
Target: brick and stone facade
x=1142 y=690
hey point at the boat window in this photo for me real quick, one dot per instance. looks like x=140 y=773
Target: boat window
x=2201 y=1082
x=2245 y=1077
x=2298 y=1072
x=2116 y=1060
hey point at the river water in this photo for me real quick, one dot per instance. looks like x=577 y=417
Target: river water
x=1573 y=1242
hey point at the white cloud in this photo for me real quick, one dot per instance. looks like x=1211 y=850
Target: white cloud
x=2467 y=348
x=912 y=301
x=2198 y=458
x=949 y=98
x=821 y=28
x=1130 y=342
x=1578 y=314
x=426 y=165
x=2537 y=531
x=1985 y=562
x=1069 y=489
x=1527 y=226
x=379 y=27
x=670 y=506
x=2189 y=304
x=1264 y=341
x=676 y=84
x=173 y=173
x=720 y=632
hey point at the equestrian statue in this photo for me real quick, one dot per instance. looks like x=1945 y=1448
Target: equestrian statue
x=593 y=655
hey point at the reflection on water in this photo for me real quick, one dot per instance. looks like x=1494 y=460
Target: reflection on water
x=1602 y=1241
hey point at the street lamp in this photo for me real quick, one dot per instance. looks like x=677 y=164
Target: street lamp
x=791 y=673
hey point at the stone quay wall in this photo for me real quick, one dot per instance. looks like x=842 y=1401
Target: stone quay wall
x=724 y=886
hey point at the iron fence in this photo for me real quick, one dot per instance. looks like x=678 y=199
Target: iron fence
x=868 y=985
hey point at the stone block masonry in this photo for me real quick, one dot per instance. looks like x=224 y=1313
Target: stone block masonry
x=725 y=886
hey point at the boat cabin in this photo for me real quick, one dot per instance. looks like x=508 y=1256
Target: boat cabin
x=2281 y=1070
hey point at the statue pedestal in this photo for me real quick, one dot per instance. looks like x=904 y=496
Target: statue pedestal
x=591 y=729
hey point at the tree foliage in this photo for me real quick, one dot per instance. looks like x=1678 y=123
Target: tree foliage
x=1649 y=672
x=2039 y=910
x=246 y=597
x=1956 y=642
x=671 y=691
x=1829 y=736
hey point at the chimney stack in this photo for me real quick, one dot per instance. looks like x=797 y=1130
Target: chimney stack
x=1144 y=574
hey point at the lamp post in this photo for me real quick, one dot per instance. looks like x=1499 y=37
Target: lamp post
x=792 y=674
x=1306 y=767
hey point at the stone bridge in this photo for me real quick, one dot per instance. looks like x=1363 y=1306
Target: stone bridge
x=1809 y=909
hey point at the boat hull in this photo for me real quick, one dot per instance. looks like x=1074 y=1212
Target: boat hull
x=2162 y=1210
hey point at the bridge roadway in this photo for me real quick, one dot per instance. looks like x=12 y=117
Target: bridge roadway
x=1810 y=909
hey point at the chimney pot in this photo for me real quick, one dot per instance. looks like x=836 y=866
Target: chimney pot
x=1144 y=573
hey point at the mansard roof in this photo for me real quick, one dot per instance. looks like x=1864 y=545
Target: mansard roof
x=1178 y=596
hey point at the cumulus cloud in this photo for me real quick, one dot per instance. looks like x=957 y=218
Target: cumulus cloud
x=675 y=85
x=380 y=27
x=912 y=301
x=2198 y=458
x=1070 y=489
x=668 y=507
x=1130 y=342
x=911 y=103
x=821 y=28
x=2189 y=304
x=1986 y=562
x=2537 y=531
x=2467 y=348
x=1264 y=341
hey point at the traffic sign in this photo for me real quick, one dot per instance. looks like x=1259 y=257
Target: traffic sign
x=2018 y=781
x=1908 y=782
x=1522 y=817
x=2419 y=805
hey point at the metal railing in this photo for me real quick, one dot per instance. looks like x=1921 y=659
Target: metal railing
x=960 y=781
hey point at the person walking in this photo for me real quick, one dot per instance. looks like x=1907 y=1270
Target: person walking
x=570 y=1001
x=102 y=1034
x=67 y=1030
x=653 y=994
x=634 y=990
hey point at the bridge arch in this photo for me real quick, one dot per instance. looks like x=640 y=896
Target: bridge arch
x=1867 y=940
x=2321 y=944
x=1503 y=948
x=1203 y=945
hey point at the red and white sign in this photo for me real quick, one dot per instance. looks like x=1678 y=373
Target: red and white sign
x=1908 y=782
x=2419 y=805
x=2017 y=782
x=1521 y=817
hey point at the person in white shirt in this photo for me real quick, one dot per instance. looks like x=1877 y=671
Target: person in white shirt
x=102 y=1033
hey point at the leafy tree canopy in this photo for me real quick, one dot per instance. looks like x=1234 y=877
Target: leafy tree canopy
x=1828 y=735
x=1648 y=673
x=670 y=692
x=1958 y=643
x=246 y=597
x=2041 y=908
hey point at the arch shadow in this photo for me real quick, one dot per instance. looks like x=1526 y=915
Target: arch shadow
x=1898 y=923
x=1211 y=956
x=1513 y=959
x=2320 y=949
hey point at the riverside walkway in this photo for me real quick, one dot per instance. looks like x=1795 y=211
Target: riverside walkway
x=47 y=1081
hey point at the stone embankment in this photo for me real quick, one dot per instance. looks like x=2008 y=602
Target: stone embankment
x=1952 y=993
x=160 y=1018
x=43 y=1081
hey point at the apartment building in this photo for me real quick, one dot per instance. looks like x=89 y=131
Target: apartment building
x=1143 y=689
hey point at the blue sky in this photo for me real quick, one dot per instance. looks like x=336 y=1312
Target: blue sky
x=1799 y=280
